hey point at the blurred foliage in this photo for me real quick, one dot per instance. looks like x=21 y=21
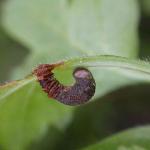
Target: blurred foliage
x=8 y=59
x=9 y=49
x=125 y=140
x=145 y=5
x=34 y=31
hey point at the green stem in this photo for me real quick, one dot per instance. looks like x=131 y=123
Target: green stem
x=141 y=68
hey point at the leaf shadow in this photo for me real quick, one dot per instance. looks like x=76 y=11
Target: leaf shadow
x=117 y=111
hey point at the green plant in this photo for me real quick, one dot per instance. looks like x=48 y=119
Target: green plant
x=101 y=35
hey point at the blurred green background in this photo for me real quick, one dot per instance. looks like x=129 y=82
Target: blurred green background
x=36 y=31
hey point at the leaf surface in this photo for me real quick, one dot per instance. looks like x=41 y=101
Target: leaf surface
x=132 y=139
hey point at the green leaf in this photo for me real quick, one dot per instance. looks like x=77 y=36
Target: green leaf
x=26 y=114
x=61 y=27
x=132 y=139
x=25 y=110
x=55 y=30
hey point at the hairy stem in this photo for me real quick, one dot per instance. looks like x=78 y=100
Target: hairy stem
x=141 y=68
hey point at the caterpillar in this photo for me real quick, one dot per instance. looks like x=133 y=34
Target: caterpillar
x=79 y=93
